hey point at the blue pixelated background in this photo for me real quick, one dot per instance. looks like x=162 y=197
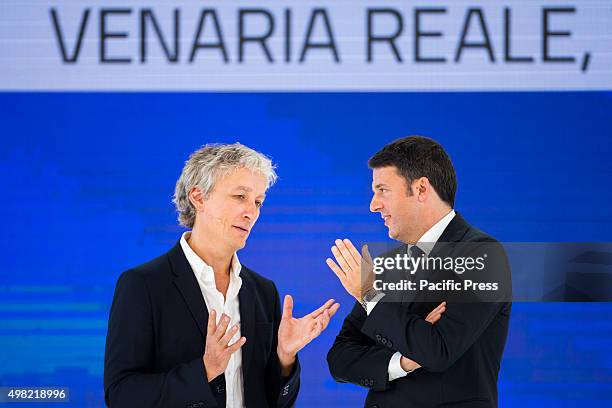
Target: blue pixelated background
x=87 y=180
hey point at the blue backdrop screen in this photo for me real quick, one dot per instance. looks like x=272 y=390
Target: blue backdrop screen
x=87 y=181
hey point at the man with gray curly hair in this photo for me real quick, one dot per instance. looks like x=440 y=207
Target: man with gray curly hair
x=196 y=328
x=210 y=163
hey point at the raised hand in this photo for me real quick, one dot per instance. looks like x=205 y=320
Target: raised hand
x=294 y=333
x=218 y=350
x=354 y=270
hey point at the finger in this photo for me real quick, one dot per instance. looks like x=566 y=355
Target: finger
x=228 y=336
x=436 y=314
x=315 y=330
x=326 y=305
x=236 y=345
x=443 y=304
x=332 y=310
x=352 y=250
x=341 y=260
x=439 y=308
x=365 y=253
x=288 y=307
x=431 y=316
x=211 y=326
x=348 y=257
x=324 y=320
x=320 y=324
x=222 y=326
x=439 y=312
x=336 y=269
x=434 y=318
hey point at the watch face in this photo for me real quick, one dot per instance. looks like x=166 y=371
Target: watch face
x=370 y=294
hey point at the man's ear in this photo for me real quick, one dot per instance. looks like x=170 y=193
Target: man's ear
x=422 y=188
x=196 y=197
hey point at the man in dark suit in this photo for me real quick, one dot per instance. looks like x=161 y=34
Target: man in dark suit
x=386 y=343
x=194 y=327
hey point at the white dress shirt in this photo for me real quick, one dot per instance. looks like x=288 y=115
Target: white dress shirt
x=426 y=244
x=234 y=386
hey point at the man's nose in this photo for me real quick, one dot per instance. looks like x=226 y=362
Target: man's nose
x=250 y=211
x=375 y=204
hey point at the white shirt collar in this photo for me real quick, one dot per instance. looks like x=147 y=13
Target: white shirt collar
x=432 y=235
x=201 y=269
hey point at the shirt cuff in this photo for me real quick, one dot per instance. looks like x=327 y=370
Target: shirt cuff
x=395 y=367
x=372 y=303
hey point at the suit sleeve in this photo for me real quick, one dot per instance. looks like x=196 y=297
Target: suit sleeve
x=130 y=380
x=280 y=391
x=355 y=358
x=436 y=347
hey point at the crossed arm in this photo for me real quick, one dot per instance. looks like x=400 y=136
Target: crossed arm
x=435 y=347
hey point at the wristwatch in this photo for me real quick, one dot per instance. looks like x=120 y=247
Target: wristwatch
x=369 y=296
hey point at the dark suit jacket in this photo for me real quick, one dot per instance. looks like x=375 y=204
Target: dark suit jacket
x=460 y=355
x=157 y=333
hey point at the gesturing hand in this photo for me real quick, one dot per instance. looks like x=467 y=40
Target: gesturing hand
x=354 y=270
x=294 y=334
x=409 y=365
x=218 y=350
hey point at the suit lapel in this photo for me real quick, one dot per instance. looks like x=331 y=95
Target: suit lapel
x=454 y=232
x=247 y=322
x=188 y=286
x=444 y=247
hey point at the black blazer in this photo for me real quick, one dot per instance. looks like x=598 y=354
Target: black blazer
x=460 y=355
x=157 y=333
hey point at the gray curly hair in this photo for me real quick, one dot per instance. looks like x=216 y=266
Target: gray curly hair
x=209 y=164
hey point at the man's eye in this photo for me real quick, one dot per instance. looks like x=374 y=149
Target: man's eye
x=258 y=204
x=240 y=196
